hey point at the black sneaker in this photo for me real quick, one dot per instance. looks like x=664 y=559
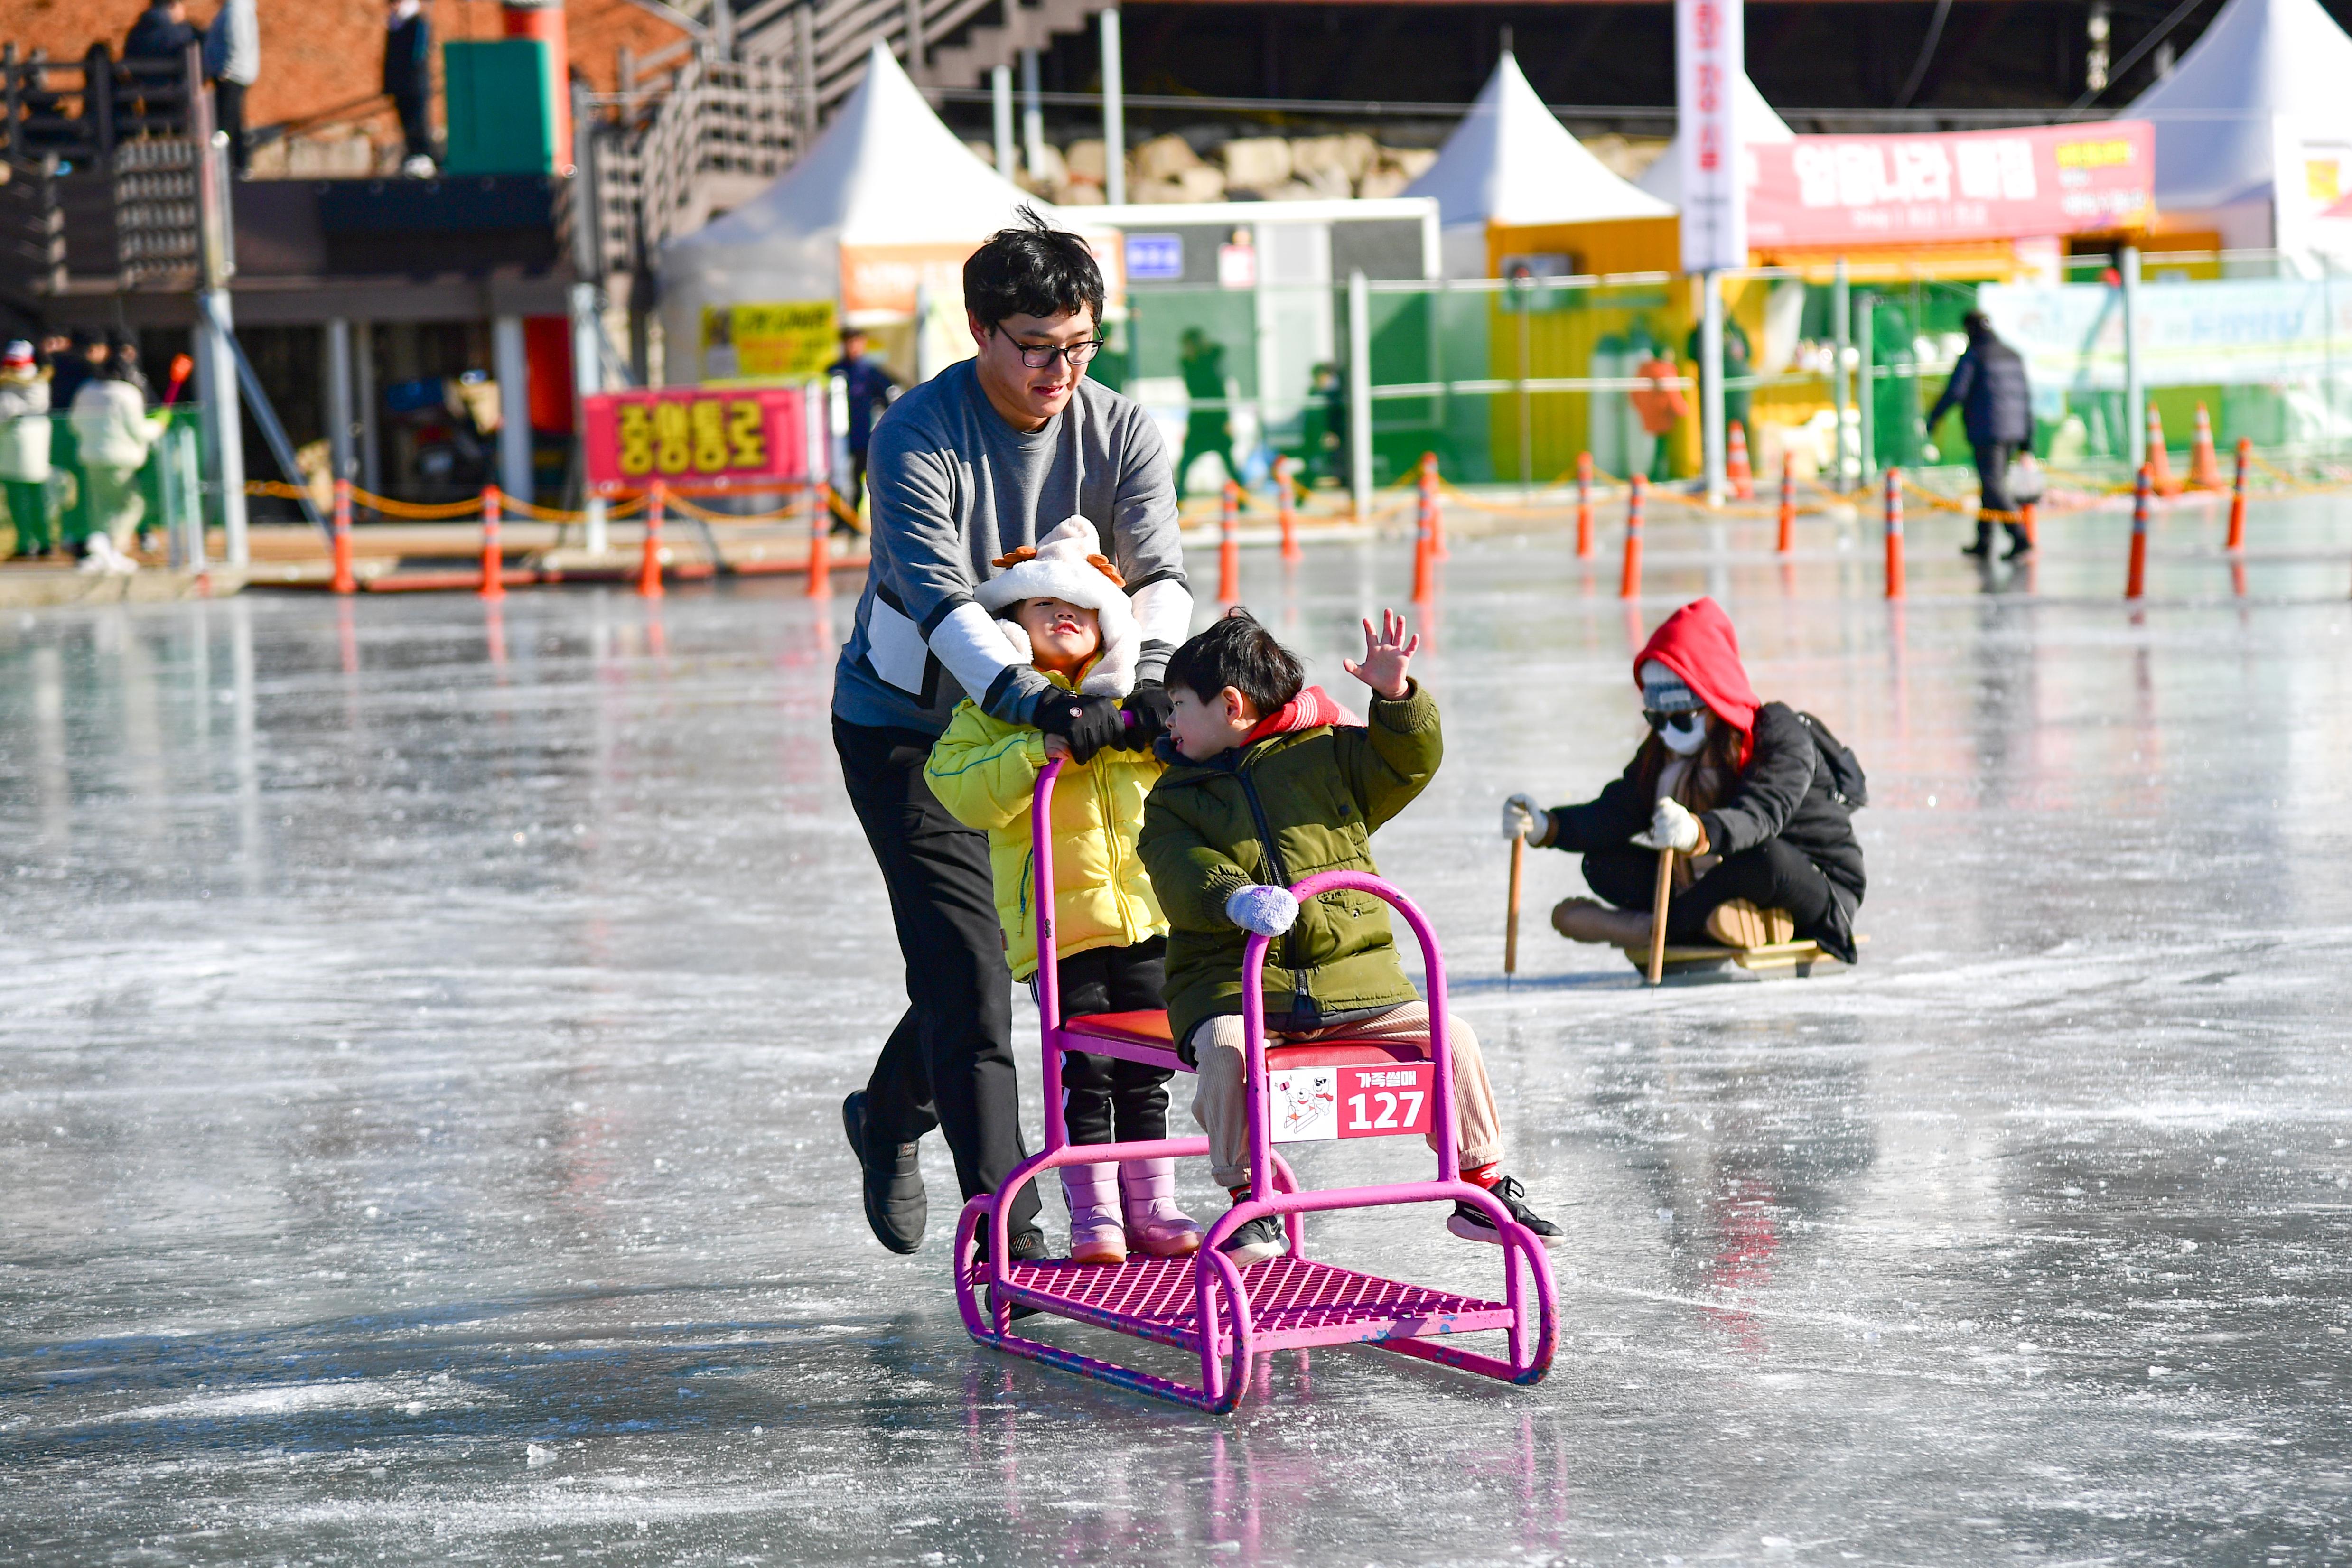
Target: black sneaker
x=1981 y=547
x=2018 y=547
x=1470 y=1222
x=1026 y=1246
x=895 y=1204
x=1257 y=1241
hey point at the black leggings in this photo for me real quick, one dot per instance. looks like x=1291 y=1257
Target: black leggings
x=1771 y=876
x=1103 y=1094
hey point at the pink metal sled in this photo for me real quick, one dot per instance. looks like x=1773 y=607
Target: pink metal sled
x=1228 y=1314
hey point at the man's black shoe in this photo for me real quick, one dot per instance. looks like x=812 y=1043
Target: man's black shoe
x=1981 y=547
x=1470 y=1222
x=895 y=1204
x=2019 y=548
x=1026 y=1246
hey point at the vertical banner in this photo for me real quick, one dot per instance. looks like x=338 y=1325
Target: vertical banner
x=1710 y=51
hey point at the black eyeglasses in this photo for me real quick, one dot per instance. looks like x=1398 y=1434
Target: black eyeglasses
x=1682 y=718
x=1038 y=356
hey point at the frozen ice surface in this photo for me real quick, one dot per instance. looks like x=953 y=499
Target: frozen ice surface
x=423 y=1030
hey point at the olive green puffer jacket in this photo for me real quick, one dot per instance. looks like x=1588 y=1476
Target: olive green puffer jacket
x=1279 y=811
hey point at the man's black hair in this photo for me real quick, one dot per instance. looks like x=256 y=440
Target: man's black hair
x=1236 y=651
x=1032 y=269
x=1976 y=325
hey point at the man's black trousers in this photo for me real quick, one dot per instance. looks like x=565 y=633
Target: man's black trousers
x=1771 y=876
x=1992 y=494
x=949 y=1063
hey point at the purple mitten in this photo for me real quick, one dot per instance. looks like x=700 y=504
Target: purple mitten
x=1268 y=912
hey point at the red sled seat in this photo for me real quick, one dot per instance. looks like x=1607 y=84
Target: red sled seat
x=1132 y=1035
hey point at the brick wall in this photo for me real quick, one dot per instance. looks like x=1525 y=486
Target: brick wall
x=319 y=54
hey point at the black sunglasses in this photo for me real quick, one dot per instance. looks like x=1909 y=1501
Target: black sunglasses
x=1683 y=719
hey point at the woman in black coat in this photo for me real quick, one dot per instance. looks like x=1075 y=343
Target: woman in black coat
x=1758 y=798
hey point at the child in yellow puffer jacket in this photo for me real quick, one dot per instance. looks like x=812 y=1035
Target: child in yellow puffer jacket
x=1062 y=607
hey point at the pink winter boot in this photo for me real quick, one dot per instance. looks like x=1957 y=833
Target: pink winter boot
x=1155 y=1225
x=1095 y=1233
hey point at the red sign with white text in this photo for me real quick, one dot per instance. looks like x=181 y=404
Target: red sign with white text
x=698 y=438
x=1956 y=186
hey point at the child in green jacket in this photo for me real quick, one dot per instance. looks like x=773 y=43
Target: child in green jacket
x=1063 y=609
x=1267 y=784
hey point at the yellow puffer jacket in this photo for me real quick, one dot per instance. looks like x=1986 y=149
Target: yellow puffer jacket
x=984 y=772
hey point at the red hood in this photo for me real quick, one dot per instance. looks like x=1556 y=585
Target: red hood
x=1313 y=705
x=1696 y=642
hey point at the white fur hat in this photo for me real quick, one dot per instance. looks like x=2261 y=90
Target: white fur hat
x=1068 y=565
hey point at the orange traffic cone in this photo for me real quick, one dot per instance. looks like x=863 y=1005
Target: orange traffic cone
x=2160 y=461
x=1735 y=465
x=2204 y=468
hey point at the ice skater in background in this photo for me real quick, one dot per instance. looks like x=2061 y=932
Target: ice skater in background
x=1758 y=797
x=1270 y=783
x=1065 y=611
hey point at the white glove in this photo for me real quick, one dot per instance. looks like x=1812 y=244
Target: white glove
x=1523 y=819
x=1671 y=827
x=1268 y=912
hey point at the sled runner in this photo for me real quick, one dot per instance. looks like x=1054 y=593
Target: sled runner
x=1228 y=1314
x=1771 y=962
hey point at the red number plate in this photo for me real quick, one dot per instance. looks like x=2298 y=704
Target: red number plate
x=1308 y=1104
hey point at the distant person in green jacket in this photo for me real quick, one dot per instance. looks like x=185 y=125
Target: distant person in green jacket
x=1268 y=783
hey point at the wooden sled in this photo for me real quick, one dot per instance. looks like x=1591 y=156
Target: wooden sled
x=1777 y=961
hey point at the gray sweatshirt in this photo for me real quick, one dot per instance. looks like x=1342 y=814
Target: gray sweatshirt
x=954 y=487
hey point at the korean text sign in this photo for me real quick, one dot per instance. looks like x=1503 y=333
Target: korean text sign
x=699 y=438
x=1710 y=45
x=1956 y=186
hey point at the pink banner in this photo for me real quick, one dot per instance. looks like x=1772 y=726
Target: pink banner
x=1957 y=186
x=696 y=438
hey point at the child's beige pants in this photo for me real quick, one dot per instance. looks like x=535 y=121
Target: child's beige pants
x=1220 y=1105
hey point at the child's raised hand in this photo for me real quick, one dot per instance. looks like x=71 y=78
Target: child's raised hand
x=1057 y=750
x=1386 y=656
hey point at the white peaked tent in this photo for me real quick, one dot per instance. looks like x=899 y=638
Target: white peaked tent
x=1510 y=161
x=1664 y=179
x=2268 y=88
x=885 y=172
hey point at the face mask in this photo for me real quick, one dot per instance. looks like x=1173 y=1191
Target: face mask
x=1682 y=742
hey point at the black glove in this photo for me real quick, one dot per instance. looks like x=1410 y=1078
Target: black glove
x=1148 y=709
x=1088 y=722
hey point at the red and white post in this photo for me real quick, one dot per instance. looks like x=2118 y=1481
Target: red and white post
x=2237 y=542
x=1893 y=505
x=1584 y=506
x=345 y=581
x=1285 y=507
x=494 y=565
x=649 y=571
x=1629 y=580
x=2136 y=579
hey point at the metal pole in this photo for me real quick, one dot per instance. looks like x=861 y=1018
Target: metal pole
x=224 y=426
x=339 y=398
x=513 y=368
x=2135 y=395
x=1524 y=287
x=223 y=421
x=1113 y=93
x=1840 y=307
x=1711 y=382
x=1033 y=116
x=1360 y=394
x=588 y=379
x=1866 y=396
x=1000 y=96
x=363 y=393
